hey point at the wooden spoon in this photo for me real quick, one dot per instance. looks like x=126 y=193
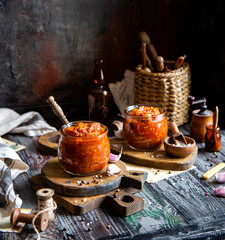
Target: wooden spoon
x=177 y=136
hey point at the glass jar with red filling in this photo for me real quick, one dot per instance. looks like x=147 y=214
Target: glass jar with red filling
x=145 y=127
x=83 y=147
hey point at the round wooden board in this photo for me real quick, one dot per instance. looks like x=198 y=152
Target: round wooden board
x=63 y=183
x=48 y=143
x=157 y=159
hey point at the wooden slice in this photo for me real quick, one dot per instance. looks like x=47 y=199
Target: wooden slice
x=157 y=159
x=63 y=183
x=48 y=143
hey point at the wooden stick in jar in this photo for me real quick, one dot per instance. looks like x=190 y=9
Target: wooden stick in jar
x=57 y=109
x=215 y=118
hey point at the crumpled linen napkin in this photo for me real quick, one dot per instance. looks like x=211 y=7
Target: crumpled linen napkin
x=11 y=165
x=30 y=123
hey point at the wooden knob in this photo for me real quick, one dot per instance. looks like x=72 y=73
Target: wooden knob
x=41 y=221
x=57 y=109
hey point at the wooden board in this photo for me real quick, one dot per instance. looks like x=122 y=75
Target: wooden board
x=48 y=143
x=63 y=183
x=156 y=159
x=113 y=191
x=122 y=200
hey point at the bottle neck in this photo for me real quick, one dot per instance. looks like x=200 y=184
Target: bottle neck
x=99 y=75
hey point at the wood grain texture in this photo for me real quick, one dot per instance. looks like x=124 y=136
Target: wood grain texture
x=175 y=208
x=122 y=200
x=156 y=159
x=69 y=185
x=48 y=143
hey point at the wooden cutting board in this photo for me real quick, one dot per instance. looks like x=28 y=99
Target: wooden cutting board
x=63 y=183
x=157 y=159
x=114 y=191
x=48 y=143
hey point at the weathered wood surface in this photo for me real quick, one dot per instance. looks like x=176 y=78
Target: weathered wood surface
x=122 y=200
x=175 y=208
x=66 y=184
x=156 y=159
x=48 y=143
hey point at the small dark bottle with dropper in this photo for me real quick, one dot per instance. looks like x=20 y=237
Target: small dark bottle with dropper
x=99 y=96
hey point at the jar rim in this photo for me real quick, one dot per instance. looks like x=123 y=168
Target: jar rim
x=131 y=107
x=62 y=130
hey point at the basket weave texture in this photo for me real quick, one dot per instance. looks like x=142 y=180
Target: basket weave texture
x=167 y=89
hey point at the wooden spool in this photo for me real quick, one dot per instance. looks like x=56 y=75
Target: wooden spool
x=41 y=220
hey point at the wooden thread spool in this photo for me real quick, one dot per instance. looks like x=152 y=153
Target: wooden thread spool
x=41 y=221
x=45 y=201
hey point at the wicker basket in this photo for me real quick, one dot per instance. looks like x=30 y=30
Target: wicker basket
x=169 y=90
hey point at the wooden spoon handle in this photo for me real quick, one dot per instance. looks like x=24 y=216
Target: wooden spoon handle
x=179 y=62
x=57 y=109
x=160 y=63
x=143 y=54
x=173 y=127
x=215 y=118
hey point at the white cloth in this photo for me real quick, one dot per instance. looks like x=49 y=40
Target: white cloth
x=30 y=123
x=11 y=165
x=123 y=91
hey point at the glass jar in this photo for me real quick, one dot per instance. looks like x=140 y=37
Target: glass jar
x=84 y=147
x=212 y=139
x=145 y=131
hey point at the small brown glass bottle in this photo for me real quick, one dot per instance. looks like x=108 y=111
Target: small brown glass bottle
x=212 y=139
x=99 y=96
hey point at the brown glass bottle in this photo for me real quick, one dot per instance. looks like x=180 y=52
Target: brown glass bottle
x=99 y=96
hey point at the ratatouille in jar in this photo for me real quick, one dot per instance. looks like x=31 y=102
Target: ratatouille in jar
x=145 y=126
x=84 y=147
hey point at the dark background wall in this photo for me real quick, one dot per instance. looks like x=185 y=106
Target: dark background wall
x=48 y=47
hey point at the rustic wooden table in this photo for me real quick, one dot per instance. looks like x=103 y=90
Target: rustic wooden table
x=179 y=207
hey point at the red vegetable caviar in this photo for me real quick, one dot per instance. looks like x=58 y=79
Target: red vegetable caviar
x=145 y=127
x=83 y=148
x=81 y=129
x=145 y=111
